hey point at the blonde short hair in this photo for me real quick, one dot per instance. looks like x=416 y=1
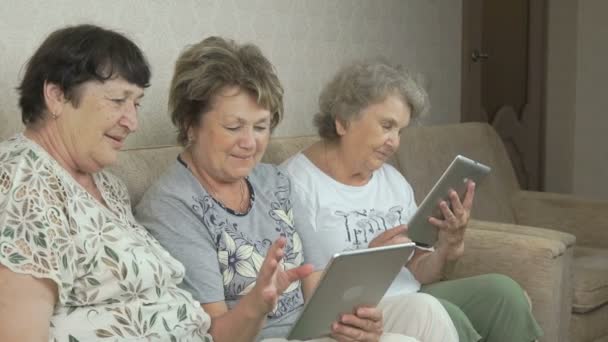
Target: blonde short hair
x=206 y=68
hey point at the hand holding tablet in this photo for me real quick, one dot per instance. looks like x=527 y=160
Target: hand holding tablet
x=351 y=279
x=456 y=177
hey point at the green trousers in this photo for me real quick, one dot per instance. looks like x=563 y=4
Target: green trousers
x=489 y=307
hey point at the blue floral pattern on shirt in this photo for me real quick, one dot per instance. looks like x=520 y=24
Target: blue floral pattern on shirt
x=240 y=254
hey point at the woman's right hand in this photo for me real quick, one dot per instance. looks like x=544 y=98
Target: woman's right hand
x=392 y=236
x=365 y=325
x=273 y=280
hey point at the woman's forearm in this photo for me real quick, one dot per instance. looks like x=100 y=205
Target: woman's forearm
x=241 y=324
x=428 y=267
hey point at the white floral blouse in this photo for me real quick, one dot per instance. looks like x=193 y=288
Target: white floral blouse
x=115 y=282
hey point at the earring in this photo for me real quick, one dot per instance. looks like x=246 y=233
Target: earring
x=54 y=116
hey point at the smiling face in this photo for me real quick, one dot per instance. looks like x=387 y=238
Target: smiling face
x=231 y=137
x=96 y=127
x=372 y=138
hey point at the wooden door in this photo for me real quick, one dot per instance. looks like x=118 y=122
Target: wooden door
x=503 y=77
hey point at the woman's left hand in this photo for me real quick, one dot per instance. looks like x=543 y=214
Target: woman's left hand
x=366 y=325
x=273 y=279
x=453 y=226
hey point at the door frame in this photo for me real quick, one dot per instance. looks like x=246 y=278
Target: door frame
x=537 y=70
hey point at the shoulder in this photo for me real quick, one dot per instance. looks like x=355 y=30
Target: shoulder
x=388 y=174
x=25 y=164
x=175 y=181
x=302 y=171
x=269 y=176
x=296 y=164
x=175 y=187
x=264 y=169
x=17 y=152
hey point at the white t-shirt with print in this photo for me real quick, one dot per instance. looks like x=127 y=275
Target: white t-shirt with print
x=332 y=217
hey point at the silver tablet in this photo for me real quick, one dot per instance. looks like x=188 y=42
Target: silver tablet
x=350 y=280
x=455 y=177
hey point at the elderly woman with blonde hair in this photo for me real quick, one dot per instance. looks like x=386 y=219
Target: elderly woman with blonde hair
x=347 y=197
x=218 y=209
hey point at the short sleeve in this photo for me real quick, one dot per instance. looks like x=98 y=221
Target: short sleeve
x=178 y=229
x=305 y=221
x=35 y=237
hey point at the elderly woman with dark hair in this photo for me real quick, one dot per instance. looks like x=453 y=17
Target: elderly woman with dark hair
x=74 y=263
x=343 y=181
x=218 y=209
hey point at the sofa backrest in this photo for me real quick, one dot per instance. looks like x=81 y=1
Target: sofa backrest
x=140 y=167
x=423 y=155
x=426 y=151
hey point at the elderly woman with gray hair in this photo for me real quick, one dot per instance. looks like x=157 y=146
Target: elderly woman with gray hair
x=343 y=181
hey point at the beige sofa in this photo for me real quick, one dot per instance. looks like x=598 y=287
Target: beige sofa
x=539 y=259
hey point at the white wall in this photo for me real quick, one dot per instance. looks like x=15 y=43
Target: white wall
x=306 y=40
x=577 y=100
x=591 y=124
x=560 y=95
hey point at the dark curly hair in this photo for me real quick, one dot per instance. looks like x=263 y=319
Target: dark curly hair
x=73 y=55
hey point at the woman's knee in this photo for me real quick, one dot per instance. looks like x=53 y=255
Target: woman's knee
x=430 y=309
x=390 y=337
x=420 y=306
x=500 y=286
x=428 y=302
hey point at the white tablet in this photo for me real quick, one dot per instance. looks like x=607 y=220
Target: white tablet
x=455 y=177
x=350 y=280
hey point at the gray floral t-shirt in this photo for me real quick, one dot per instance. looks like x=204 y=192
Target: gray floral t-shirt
x=115 y=282
x=221 y=249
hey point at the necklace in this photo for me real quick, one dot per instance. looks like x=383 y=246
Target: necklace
x=243 y=203
x=242 y=206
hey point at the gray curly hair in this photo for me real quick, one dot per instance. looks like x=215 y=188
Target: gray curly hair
x=361 y=84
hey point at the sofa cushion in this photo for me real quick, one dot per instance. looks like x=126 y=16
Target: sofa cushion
x=590 y=278
x=280 y=149
x=139 y=167
x=426 y=151
x=590 y=326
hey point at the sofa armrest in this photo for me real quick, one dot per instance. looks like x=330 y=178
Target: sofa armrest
x=550 y=234
x=541 y=265
x=498 y=247
x=584 y=218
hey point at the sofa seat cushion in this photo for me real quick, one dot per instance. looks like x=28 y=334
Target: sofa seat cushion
x=590 y=278
x=590 y=326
